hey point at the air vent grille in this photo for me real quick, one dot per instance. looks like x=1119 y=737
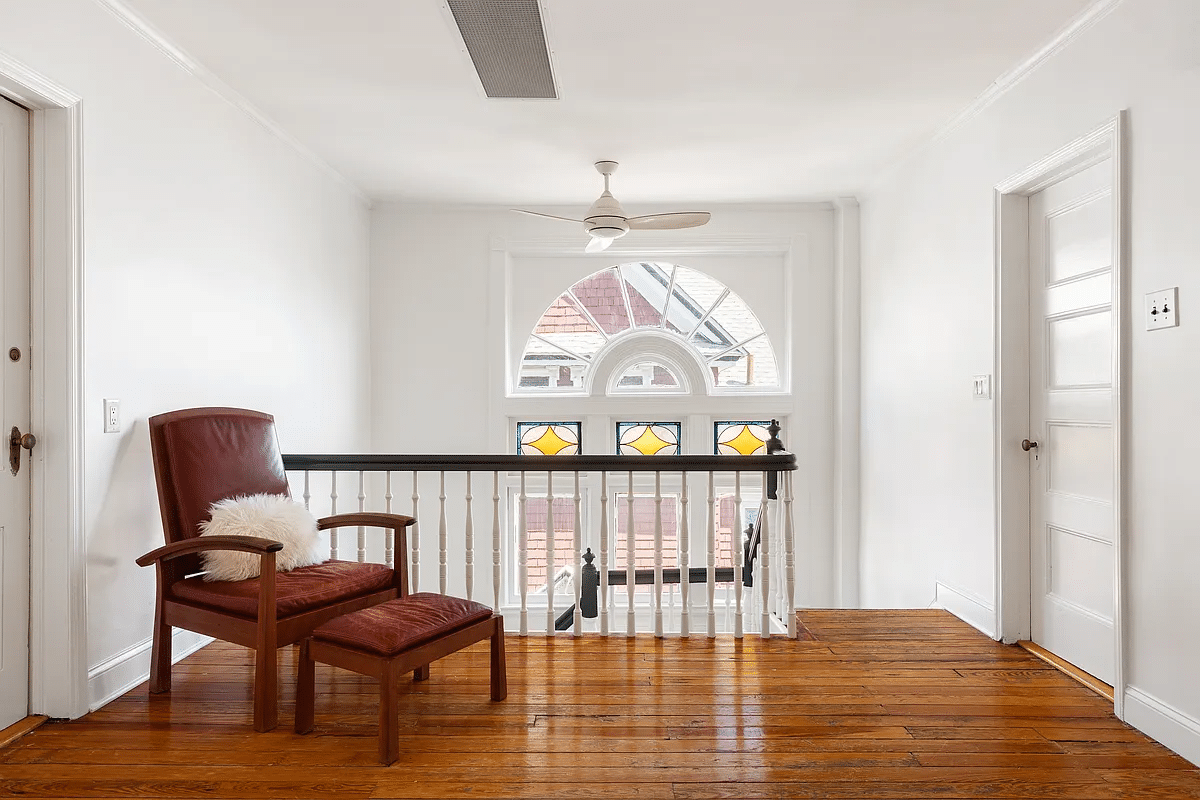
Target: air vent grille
x=507 y=44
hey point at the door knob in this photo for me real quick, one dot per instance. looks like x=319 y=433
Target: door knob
x=1027 y=445
x=16 y=441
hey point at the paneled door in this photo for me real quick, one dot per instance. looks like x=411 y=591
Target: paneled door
x=1072 y=559
x=14 y=412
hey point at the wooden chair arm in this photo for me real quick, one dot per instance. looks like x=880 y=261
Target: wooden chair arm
x=365 y=519
x=245 y=544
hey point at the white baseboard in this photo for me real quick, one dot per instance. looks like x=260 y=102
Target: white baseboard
x=112 y=678
x=1163 y=722
x=973 y=610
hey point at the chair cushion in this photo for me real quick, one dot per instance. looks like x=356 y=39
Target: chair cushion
x=401 y=624
x=300 y=590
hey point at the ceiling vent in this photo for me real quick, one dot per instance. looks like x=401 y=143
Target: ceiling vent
x=507 y=43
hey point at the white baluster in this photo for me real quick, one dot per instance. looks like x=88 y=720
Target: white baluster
x=777 y=547
x=630 y=620
x=415 y=529
x=496 y=551
x=442 y=533
x=711 y=547
x=577 y=569
x=469 y=536
x=685 y=574
x=389 y=535
x=736 y=534
x=307 y=493
x=764 y=560
x=789 y=549
x=522 y=558
x=658 y=560
x=603 y=598
x=362 y=506
x=550 y=575
x=333 y=532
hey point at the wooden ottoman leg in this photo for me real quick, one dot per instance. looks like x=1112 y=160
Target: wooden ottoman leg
x=389 y=711
x=305 y=689
x=499 y=671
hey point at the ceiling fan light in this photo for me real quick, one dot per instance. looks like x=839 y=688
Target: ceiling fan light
x=601 y=232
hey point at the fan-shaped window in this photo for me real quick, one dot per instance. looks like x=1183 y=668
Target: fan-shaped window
x=647 y=376
x=715 y=324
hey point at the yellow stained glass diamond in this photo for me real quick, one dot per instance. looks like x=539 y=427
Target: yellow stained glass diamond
x=649 y=443
x=745 y=443
x=550 y=443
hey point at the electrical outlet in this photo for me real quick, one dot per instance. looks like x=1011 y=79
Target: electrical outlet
x=112 y=416
x=1161 y=311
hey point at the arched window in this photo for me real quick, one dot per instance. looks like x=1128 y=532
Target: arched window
x=653 y=317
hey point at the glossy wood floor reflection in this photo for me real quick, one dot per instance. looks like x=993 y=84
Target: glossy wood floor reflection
x=910 y=704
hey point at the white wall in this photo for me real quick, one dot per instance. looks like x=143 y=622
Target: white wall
x=438 y=320
x=220 y=267
x=927 y=328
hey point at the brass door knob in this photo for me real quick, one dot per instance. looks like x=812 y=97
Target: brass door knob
x=1027 y=445
x=17 y=441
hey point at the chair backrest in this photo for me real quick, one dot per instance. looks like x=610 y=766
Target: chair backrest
x=202 y=455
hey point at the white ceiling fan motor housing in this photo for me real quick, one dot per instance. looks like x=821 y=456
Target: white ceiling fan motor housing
x=606 y=219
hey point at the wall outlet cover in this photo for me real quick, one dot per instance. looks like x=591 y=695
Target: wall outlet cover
x=112 y=416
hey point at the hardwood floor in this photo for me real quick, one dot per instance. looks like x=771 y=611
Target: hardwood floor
x=876 y=704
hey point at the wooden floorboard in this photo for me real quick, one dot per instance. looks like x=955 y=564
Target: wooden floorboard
x=871 y=704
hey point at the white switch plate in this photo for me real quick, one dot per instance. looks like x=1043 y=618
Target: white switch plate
x=112 y=416
x=1161 y=309
x=981 y=387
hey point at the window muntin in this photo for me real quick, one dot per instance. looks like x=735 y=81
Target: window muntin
x=714 y=322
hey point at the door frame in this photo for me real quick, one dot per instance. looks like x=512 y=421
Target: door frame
x=1011 y=409
x=57 y=579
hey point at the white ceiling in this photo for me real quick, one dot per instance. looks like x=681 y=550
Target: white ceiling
x=702 y=101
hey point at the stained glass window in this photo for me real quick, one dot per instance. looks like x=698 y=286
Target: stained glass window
x=679 y=301
x=648 y=438
x=741 y=438
x=548 y=438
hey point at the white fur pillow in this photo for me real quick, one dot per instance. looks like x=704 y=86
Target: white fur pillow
x=269 y=516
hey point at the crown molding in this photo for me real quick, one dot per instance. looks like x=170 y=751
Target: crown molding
x=1082 y=21
x=139 y=25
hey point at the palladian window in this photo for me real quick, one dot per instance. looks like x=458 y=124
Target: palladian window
x=700 y=314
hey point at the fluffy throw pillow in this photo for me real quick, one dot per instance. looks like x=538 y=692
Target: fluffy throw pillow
x=269 y=516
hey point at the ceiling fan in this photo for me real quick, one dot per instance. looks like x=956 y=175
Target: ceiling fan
x=606 y=220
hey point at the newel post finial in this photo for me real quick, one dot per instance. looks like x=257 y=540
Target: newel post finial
x=774 y=445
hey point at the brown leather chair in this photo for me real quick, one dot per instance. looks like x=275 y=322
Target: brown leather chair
x=203 y=455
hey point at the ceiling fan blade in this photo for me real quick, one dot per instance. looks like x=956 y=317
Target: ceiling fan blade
x=597 y=244
x=671 y=221
x=547 y=216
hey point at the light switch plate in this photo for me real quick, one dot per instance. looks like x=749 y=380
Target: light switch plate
x=1162 y=309
x=981 y=387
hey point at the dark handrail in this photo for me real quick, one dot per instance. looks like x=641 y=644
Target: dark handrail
x=459 y=462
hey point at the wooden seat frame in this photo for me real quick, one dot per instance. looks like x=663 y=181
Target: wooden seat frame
x=266 y=632
x=388 y=670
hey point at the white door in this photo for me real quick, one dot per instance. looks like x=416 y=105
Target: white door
x=14 y=411
x=1071 y=418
